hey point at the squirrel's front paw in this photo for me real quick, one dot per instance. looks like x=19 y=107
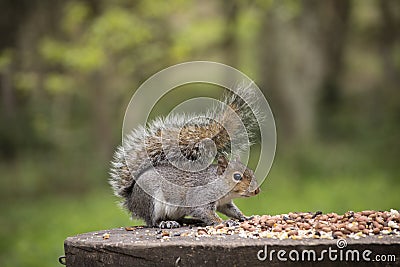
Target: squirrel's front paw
x=169 y=224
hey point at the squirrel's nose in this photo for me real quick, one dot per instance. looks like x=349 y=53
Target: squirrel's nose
x=257 y=191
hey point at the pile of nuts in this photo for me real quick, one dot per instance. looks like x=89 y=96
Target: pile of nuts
x=331 y=225
x=303 y=225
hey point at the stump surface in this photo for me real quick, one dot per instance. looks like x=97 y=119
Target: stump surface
x=147 y=247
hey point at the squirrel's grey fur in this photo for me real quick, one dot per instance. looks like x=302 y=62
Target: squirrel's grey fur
x=144 y=159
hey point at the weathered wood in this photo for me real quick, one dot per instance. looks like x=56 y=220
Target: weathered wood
x=144 y=247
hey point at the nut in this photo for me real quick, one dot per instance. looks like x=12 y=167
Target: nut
x=367 y=212
x=164 y=233
x=201 y=231
x=270 y=222
x=293 y=232
x=219 y=226
x=264 y=218
x=326 y=229
x=376 y=231
x=337 y=234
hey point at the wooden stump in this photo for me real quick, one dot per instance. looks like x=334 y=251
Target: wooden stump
x=185 y=247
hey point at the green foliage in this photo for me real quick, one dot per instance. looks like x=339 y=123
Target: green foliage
x=82 y=58
x=118 y=30
x=26 y=81
x=76 y=13
x=6 y=58
x=191 y=37
x=58 y=83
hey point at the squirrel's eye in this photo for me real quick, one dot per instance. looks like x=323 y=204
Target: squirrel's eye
x=237 y=176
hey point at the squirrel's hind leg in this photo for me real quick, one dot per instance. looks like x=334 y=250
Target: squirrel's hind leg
x=206 y=214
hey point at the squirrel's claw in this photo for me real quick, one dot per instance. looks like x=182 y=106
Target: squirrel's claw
x=231 y=223
x=169 y=224
x=246 y=218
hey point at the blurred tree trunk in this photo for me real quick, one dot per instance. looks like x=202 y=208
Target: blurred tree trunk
x=102 y=126
x=300 y=61
x=7 y=93
x=390 y=41
x=10 y=24
x=334 y=17
x=101 y=101
x=12 y=16
x=8 y=114
x=230 y=12
x=14 y=128
x=292 y=68
x=389 y=94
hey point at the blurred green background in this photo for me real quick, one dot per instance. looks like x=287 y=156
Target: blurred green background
x=330 y=70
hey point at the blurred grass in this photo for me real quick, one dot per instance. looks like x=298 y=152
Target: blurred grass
x=332 y=178
x=32 y=231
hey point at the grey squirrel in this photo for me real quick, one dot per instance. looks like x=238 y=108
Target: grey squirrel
x=152 y=170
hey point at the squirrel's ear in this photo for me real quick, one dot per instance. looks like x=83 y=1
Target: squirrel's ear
x=222 y=165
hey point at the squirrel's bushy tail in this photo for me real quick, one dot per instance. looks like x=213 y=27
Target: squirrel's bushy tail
x=238 y=115
x=181 y=135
